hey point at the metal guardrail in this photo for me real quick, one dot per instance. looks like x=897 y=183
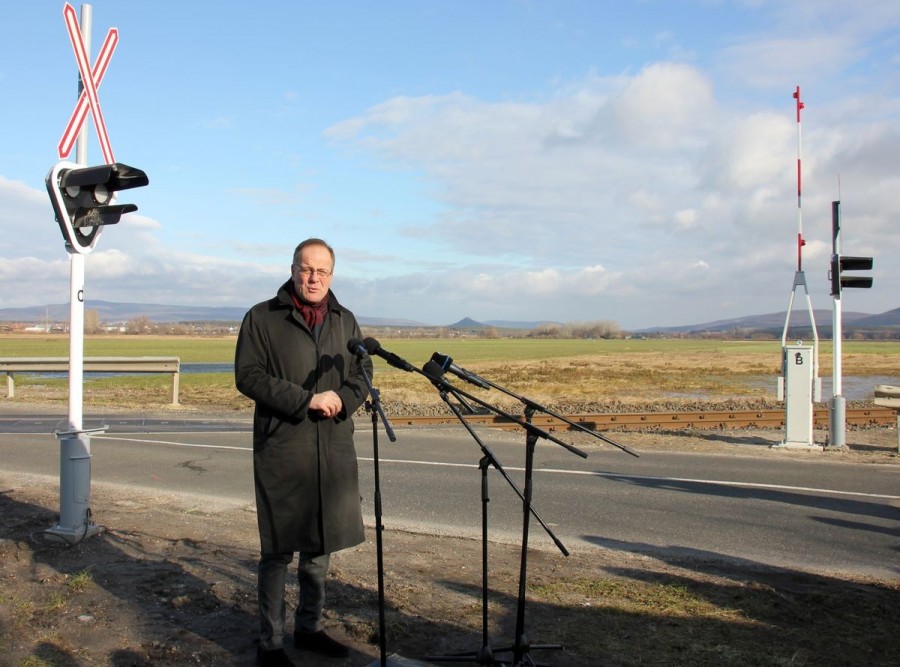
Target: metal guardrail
x=13 y=365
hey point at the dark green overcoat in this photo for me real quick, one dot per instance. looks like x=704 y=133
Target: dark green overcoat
x=304 y=465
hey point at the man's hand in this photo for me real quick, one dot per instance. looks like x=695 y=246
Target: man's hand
x=328 y=404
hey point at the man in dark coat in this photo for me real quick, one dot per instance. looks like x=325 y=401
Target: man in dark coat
x=292 y=360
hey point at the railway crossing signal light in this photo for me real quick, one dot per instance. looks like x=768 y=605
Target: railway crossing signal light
x=83 y=199
x=840 y=264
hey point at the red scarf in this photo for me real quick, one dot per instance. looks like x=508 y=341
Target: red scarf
x=313 y=313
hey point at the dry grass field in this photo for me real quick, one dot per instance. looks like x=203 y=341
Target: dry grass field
x=568 y=376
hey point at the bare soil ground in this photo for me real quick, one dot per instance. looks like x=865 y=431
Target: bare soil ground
x=171 y=581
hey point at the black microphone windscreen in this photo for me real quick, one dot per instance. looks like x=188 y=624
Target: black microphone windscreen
x=433 y=370
x=354 y=345
x=372 y=346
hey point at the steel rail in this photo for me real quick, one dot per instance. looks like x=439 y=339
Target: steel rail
x=631 y=421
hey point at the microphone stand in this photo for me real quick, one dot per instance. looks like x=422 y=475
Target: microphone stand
x=521 y=647
x=485 y=655
x=374 y=407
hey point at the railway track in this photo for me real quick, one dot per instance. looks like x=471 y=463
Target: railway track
x=632 y=421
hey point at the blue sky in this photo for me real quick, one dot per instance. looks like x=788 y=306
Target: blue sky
x=573 y=161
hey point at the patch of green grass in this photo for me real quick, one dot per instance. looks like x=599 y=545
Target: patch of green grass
x=55 y=601
x=79 y=582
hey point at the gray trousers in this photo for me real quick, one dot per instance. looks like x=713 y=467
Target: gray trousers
x=271 y=578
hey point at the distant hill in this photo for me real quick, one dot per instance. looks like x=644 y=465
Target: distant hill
x=466 y=323
x=775 y=322
x=889 y=319
x=114 y=312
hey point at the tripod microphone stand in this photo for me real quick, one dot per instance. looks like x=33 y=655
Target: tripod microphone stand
x=434 y=372
x=521 y=647
x=373 y=406
x=485 y=655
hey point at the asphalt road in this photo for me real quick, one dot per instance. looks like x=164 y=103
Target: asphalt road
x=796 y=513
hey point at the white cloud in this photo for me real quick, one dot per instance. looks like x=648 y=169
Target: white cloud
x=634 y=166
x=667 y=106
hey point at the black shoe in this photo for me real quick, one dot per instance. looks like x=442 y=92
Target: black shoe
x=274 y=658
x=319 y=642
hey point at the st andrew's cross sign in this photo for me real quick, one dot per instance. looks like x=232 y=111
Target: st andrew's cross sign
x=90 y=80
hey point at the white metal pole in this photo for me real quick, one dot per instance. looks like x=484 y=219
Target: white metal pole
x=837 y=424
x=838 y=403
x=76 y=342
x=75 y=444
x=836 y=381
x=76 y=285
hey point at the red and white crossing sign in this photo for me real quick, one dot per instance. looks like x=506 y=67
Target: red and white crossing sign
x=91 y=81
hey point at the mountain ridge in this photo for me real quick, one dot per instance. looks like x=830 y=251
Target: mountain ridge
x=112 y=311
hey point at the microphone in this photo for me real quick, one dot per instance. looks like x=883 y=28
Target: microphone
x=433 y=372
x=446 y=364
x=374 y=347
x=355 y=345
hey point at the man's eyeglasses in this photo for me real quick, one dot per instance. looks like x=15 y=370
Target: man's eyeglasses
x=308 y=271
